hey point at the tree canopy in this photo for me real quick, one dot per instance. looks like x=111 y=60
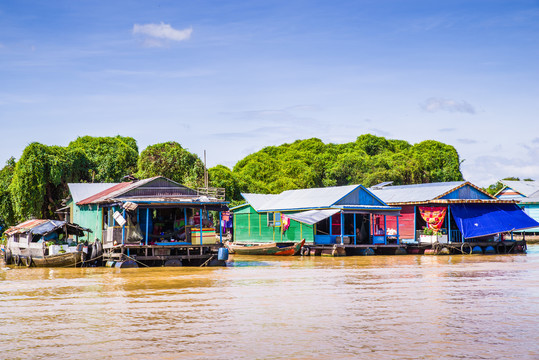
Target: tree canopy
x=367 y=161
x=36 y=184
x=171 y=161
x=108 y=158
x=7 y=217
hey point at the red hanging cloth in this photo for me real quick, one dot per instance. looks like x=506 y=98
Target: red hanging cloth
x=434 y=216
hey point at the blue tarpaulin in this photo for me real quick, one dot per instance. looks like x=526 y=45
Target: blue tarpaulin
x=475 y=220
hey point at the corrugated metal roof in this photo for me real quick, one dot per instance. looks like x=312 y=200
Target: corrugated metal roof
x=257 y=201
x=315 y=198
x=415 y=192
x=532 y=199
x=526 y=188
x=43 y=227
x=161 y=191
x=81 y=191
x=103 y=195
x=25 y=226
x=311 y=217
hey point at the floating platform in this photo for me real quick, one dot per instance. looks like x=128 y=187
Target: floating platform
x=466 y=248
x=166 y=254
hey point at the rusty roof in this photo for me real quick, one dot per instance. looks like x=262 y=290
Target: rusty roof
x=44 y=226
x=25 y=226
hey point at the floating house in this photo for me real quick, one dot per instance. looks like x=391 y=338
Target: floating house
x=526 y=193
x=346 y=215
x=152 y=220
x=451 y=212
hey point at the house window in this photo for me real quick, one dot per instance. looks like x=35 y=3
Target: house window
x=274 y=219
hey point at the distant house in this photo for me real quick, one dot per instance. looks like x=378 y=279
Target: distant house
x=144 y=211
x=342 y=214
x=455 y=211
x=527 y=195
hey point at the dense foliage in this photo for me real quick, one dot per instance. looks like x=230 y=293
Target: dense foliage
x=35 y=185
x=368 y=161
x=171 y=161
x=7 y=217
x=222 y=177
x=110 y=158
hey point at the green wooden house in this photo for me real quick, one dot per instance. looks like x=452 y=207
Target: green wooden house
x=342 y=214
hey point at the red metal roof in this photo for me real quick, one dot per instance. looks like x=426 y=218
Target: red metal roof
x=104 y=193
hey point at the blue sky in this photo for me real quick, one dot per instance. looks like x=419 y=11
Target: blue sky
x=234 y=76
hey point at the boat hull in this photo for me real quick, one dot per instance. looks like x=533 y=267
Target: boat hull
x=264 y=249
x=71 y=259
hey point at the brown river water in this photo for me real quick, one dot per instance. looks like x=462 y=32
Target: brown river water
x=372 y=307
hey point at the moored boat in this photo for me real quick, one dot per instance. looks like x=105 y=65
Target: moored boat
x=265 y=248
x=44 y=243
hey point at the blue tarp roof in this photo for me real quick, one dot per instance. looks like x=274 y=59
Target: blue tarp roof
x=48 y=227
x=475 y=220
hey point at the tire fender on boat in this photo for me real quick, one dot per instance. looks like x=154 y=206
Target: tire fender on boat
x=29 y=261
x=466 y=248
x=16 y=260
x=8 y=257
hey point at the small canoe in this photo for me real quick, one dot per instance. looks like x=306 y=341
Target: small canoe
x=264 y=248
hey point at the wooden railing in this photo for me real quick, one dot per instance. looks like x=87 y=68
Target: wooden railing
x=212 y=192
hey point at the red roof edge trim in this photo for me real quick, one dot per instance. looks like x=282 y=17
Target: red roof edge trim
x=104 y=193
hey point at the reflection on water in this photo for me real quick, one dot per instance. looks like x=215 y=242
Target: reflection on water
x=379 y=307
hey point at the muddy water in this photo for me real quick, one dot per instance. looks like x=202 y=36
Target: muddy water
x=405 y=307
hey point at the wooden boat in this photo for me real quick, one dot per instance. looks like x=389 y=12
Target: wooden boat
x=71 y=259
x=32 y=243
x=265 y=248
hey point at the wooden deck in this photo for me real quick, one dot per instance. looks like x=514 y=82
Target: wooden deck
x=159 y=255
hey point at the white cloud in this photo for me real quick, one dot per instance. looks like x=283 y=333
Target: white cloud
x=439 y=104
x=156 y=33
x=447 y=130
x=467 y=141
x=487 y=169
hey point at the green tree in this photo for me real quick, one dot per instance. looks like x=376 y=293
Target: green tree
x=171 y=161
x=368 y=161
x=438 y=162
x=222 y=177
x=7 y=216
x=40 y=179
x=109 y=159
